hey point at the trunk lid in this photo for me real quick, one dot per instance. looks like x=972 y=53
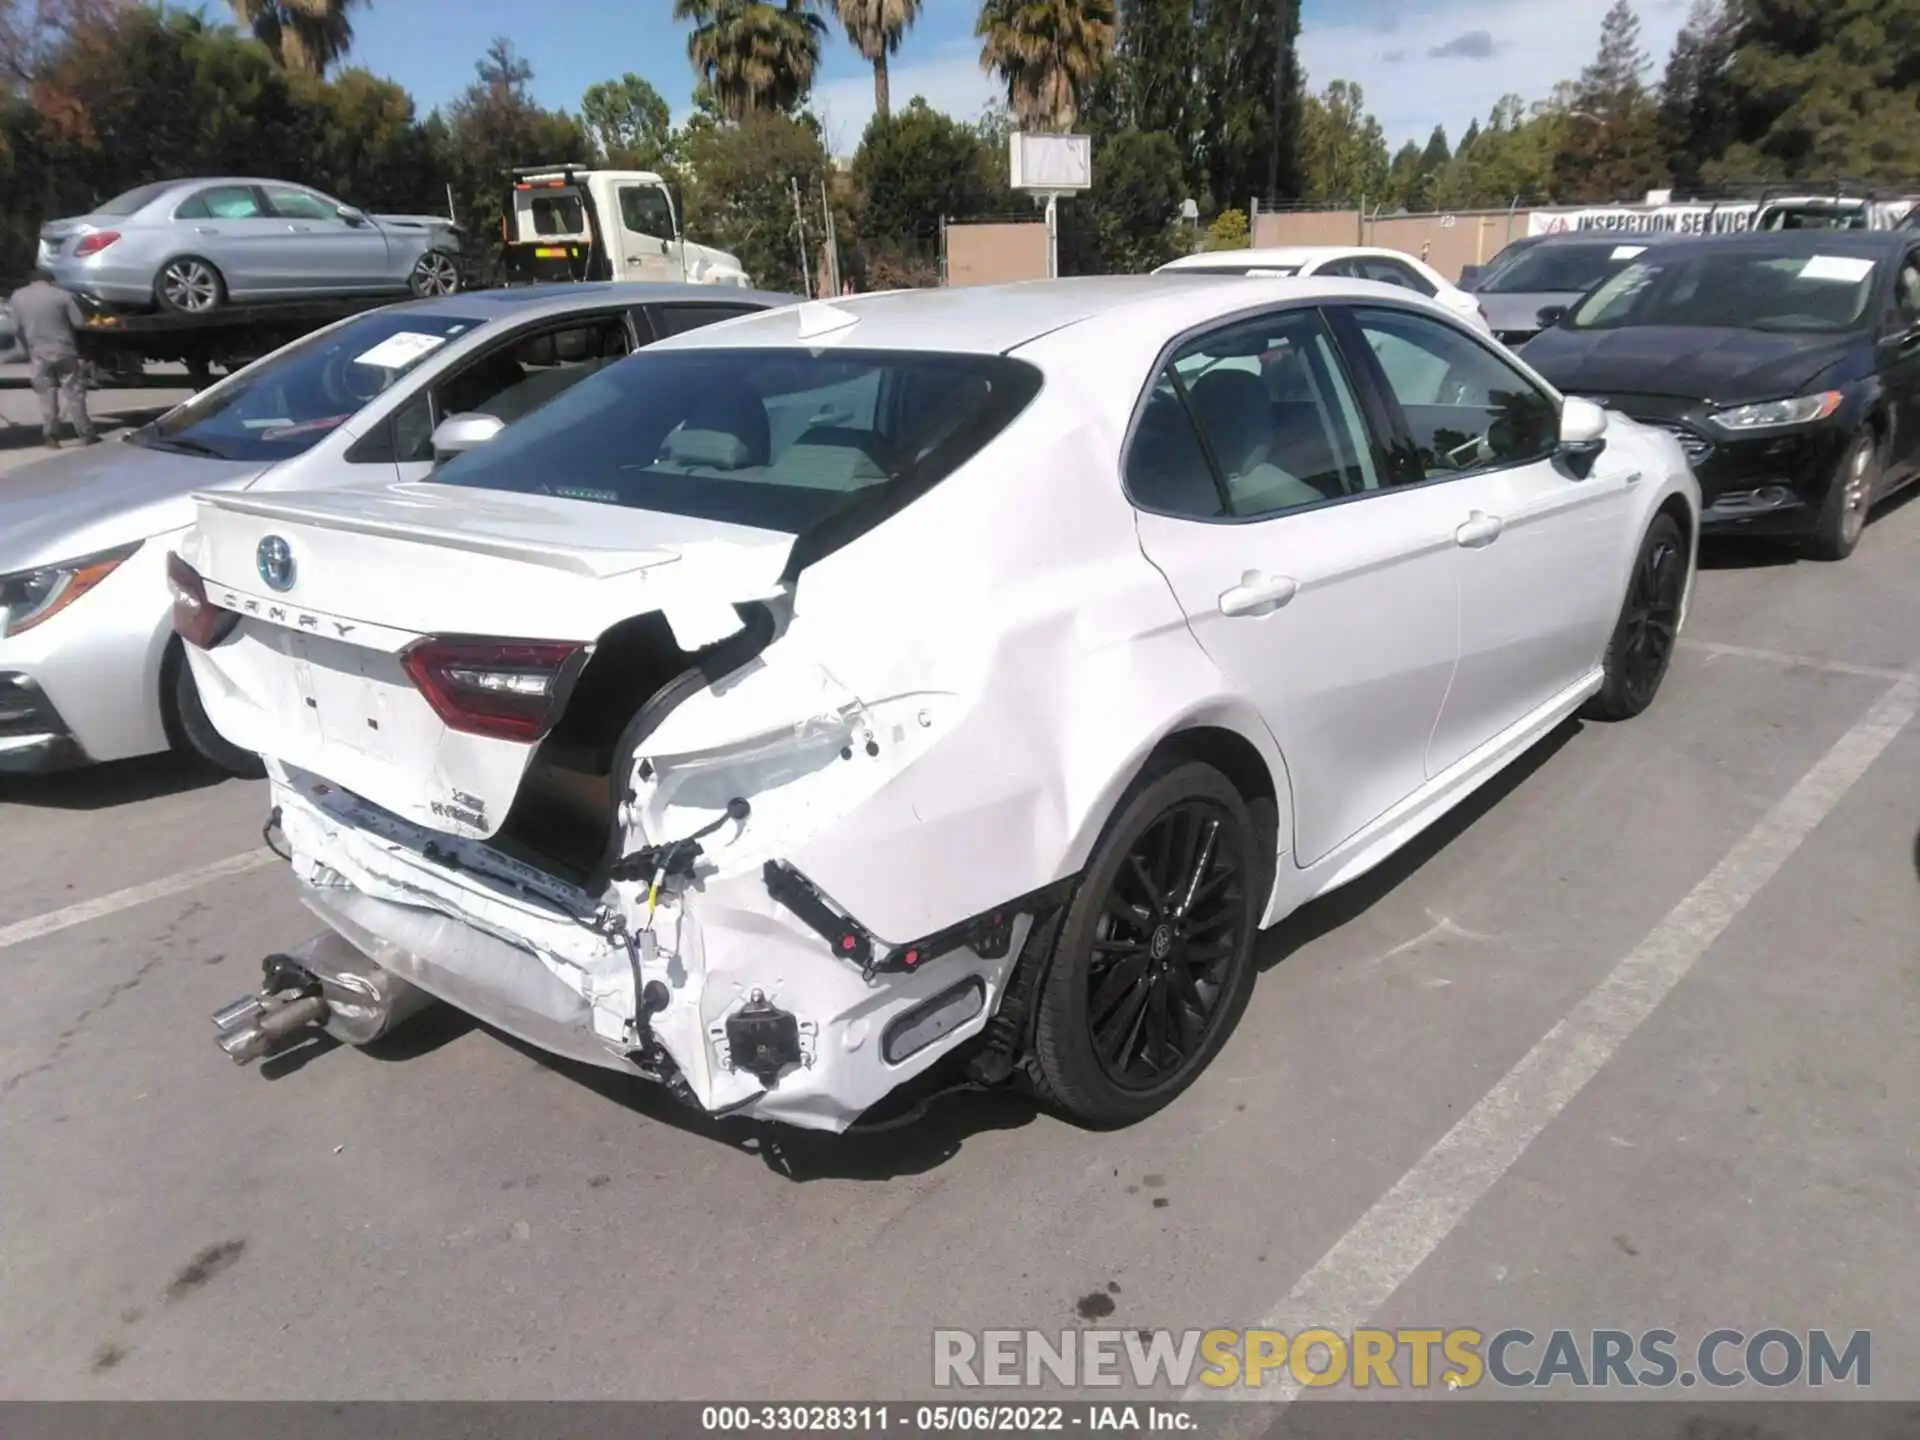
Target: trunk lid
x=315 y=675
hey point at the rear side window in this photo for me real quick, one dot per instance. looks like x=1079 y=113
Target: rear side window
x=784 y=440
x=1253 y=420
x=222 y=202
x=678 y=319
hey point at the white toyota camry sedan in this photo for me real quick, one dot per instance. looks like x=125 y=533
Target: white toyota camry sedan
x=949 y=676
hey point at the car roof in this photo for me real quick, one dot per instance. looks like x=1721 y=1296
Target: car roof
x=998 y=319
x=521 y=301
x=1868 y=244
x=1600 y=236
x=1283 y=255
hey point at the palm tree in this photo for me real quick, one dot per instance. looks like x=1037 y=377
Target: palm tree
x=876 y=28
x=304 y=35
x=1049 y=53
x=754 y=54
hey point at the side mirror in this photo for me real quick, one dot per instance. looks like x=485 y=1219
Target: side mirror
x=352 y=216
x=1583 y=432
x=1551 y=315
x=1470 y=275
x=458 y=434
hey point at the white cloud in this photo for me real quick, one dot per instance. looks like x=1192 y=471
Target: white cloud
x=1452 y=63
x=950 y=78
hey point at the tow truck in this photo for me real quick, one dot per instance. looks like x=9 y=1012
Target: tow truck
x=120 y=343
x=559 y=223
x=569 y=223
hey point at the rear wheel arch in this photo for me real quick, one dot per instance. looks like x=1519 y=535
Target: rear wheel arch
x=1262 y=783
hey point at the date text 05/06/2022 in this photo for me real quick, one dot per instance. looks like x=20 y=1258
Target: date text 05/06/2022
x=978 y=1419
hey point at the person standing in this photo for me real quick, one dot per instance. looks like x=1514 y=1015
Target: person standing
x=48 y=317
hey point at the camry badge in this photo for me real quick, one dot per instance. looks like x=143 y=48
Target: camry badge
x=274 y=559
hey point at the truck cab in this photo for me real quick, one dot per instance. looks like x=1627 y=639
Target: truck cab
x=563 y=223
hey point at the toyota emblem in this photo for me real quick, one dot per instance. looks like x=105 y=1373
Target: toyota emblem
x=274 y=560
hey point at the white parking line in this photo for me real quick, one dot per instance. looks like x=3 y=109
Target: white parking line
x=1713 y=650
x=1348 y=1284
x=55 y=920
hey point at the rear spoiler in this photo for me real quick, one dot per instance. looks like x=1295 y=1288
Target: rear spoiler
x=574 y=558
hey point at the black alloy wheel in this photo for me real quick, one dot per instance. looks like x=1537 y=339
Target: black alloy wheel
x=1155 y=961
x=1649 y=625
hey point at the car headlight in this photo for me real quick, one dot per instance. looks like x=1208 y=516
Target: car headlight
x=32 y=597
x=1773 y=414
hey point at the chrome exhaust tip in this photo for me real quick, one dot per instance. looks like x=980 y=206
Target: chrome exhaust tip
x=233 y=1016
x=253 y=1025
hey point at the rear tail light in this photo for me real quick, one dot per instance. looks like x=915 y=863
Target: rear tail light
x=197 y=619
x=504 y=689
x=96 y=242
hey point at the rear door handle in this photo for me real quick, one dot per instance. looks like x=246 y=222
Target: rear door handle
x=1258 y=594
x=205 y=230
x=1480 y=530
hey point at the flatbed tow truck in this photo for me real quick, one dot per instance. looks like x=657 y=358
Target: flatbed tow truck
x=119 y=343
x=560 y=223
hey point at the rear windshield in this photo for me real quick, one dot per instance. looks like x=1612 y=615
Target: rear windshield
x=549 y=214
x=286 y=404
x=774 y=439
x=136 y=199
x=1753 y=289
x=1559 y=269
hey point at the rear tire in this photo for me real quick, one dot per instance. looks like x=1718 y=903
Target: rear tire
x=1154 y=963
x=1843 y=519
x=188 y=285
x=435 y=273
x=1649 y=625
x=191 y=730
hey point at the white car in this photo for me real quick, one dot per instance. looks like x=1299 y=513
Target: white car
x=933 y=674
x=1336 y=262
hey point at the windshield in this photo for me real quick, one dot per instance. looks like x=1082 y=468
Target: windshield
x=135 y=199
x=1746 y=290
x=286 y=404
x=773 y=439
x=1558 y=269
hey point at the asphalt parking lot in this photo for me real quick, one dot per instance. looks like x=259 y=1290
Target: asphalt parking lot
x=1628 y=1042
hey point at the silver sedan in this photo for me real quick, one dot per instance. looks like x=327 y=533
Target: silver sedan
x=192 y=246
x=90 y=669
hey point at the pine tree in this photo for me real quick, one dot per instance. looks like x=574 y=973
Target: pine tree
x=1696 y=111
x=1407 y=180
x=1610 y=147
x=1819 y=89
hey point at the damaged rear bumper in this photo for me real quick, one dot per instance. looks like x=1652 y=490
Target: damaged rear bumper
x=731 y=996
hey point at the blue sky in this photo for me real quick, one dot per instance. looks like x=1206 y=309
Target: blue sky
x=1421 y=62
